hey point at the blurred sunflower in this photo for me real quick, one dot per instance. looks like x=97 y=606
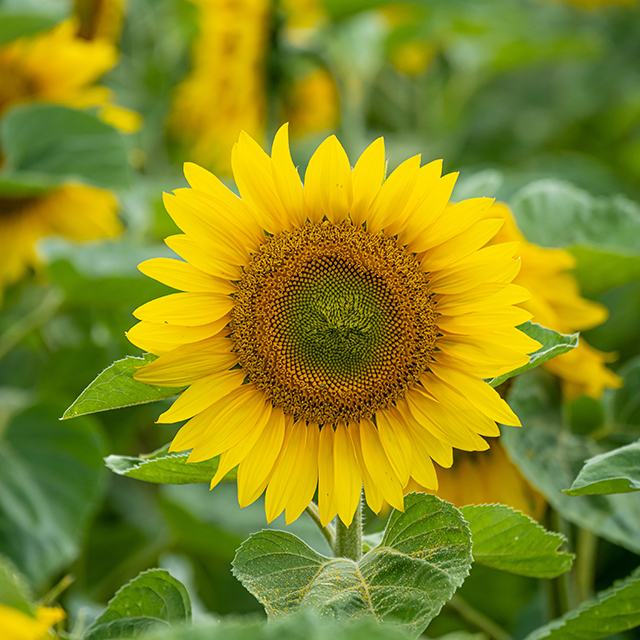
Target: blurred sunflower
x=16 y=625
x=73 y=211
x=225 y=92
x=58 y=67
x=556 y=303
x=99 y=18
x=333 y=334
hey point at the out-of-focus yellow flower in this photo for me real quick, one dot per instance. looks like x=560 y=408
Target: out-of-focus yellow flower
x=16 y=625
x=58 y=67
x=556 y=303
x=225 y=91
x=311 y=103
x=99 y=18
x=303 y=14
x=77 y=212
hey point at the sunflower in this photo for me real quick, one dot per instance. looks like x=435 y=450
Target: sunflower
x=73 y=211
x=225 y=92
x=17 y=625
x=58 y=67
x=335 y=334
x=99 y=18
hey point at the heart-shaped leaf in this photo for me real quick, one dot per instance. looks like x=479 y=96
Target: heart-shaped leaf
x=424 y=556
x=155 y=597
x=511 y=541
x=616 y=471
x=115 y=388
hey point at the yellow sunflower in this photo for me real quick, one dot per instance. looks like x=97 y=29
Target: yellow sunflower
x=73 y=211
x=99 y=18
x=225 y=92
x=58 y=67
x=16 y=625
x=335 y=334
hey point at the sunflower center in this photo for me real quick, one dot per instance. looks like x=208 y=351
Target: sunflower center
x=333 y=323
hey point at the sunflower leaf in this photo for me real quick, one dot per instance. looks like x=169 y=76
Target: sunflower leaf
x=616 y=471
x=553 y=344
x=511 y=541
x=19 y=25
x=154 y=598
x=612 y=611
x=115 y=388
x=167 y=468
x=424 y=556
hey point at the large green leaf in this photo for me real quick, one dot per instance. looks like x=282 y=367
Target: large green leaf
x=154 y=598
x=17 y=25
x=550 y=457
x=40 y=141
x=51 y=478
x=616 y=471
x=553 y=344
x=115 y=387
x=424 y=556
x=14 y=591
x=612 y=611
x=511 y=541
x=167 y=468
x=622 y=406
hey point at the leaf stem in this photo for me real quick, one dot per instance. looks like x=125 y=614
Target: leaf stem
x=328 y=532
x=349 y=539
x=471 y=615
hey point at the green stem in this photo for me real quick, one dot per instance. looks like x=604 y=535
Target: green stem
x=477 y=619
x=349 y=539
x=328 y=532
x=567 y=589
x=50 y=597
x=585 y=567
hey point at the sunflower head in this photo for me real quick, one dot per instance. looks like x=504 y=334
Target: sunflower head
x=333 y=334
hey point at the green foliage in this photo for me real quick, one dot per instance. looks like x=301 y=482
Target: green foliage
x=167 y=468
x=550 y=457
x=153 y=598
x=47 y=144
x=553 y=344
x=51 y=479
x=16 y=25
x=511 y=541
x=616 y=471
x=424 y=556
x=115 y=388
x=612 y=611
x=14 y=591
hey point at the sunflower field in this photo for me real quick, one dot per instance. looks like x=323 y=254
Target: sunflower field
x=319 y=319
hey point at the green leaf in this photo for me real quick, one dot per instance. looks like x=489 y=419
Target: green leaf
x=616 y=471
x=51 y=478
x=115 y=388
x=155 y=597
x=550 y=456
x=622 y=406
x=14 y=591
x=18 y=25
x=44 y=141
x=612 y=611
x=167 y=468
x=511 y=541
x=423 y=558
x=553 y=344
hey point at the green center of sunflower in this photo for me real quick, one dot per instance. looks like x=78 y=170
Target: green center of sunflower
x=333 y=323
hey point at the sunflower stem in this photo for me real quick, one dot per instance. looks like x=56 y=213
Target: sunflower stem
x=329 y=531
x=349 y=539
x=477 y=619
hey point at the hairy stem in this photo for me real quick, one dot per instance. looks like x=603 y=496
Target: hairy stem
x=328 y=532
x=349 y=539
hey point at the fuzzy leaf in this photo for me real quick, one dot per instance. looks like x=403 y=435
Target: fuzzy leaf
x=153 y=598
x=115 y=388
x=612 y=611
x=553 y=344
x=511 y=541
x=616 y=471
x=423 y=558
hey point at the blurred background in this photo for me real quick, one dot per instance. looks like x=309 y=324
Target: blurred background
x=535 y=102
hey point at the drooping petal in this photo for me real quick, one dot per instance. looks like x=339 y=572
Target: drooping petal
x=306 y=472
x=347 y=476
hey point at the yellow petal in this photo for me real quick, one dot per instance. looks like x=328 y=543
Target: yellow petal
x=378 y=465
x=256 y=468
x=194 y=254
x=188 y=309
x=286 y=179
x=202 y=394
x=328 y=189
x=306 y=474
x=326 y=498
x=347 y=477
x=396 y=444
x=173 y=335
x=372 y=493
x=183 y=276
x=368 y=175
